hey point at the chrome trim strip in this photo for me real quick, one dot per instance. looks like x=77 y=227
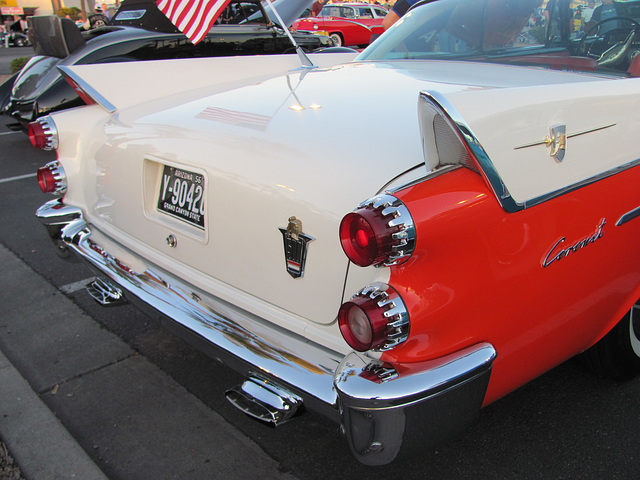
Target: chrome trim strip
x=471 y=141
x=430 y=174
x=627 y=217
x=577 y=134
x=488 y=168
x=88 y=89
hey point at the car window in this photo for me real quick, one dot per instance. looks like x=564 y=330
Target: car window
x=365 y=12
x=380 y=12
x=463 y=28
x=349 y=12
x=242 y=13
x=331 y=11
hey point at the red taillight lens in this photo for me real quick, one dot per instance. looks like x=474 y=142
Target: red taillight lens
x=36 y=135
x=374 y=319
x=380 y=232
x=46 y=180
x=52 y=178
x=43 y=134
x=359 y=240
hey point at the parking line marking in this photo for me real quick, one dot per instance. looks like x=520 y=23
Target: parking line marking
x=8 y=133
x=19 y=177
x=76 y=286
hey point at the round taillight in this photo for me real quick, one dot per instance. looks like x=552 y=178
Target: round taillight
x=36 y=135
x=43 y=133
x=379 y=232
x=375 y=318
x=52 y=178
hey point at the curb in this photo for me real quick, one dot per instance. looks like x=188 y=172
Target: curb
x=70 y=389
x=36 y=439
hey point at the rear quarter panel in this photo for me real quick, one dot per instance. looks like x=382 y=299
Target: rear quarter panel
x=481 y=274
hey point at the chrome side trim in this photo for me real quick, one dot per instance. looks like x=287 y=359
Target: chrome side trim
x=431 y=174
x=627 y=217
x=547 y=141
x=488 y=168
x=87 y=89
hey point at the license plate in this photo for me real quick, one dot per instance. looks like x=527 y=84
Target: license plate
x=182 y=195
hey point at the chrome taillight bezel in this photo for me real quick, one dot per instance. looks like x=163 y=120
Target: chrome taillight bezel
x=386 y=312
x=43 y=133
x=52 y=178
x=394 y=229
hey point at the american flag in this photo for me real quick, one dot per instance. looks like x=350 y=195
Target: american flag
x=194 y=18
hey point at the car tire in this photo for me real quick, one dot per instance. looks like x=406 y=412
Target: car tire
x=617 y=355
x=21 y=42
x=337 y=39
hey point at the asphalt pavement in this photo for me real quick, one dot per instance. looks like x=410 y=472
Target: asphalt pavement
x=53 y=353
x=53 y=356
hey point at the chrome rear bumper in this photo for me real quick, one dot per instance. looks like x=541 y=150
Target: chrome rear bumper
x=384 y=410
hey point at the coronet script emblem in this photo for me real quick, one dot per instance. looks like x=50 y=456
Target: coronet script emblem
x=295 y=247
x=557 y=253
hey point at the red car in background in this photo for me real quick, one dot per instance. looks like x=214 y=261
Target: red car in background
x=347 y=24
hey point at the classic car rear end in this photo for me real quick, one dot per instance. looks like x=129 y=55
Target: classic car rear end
x=481 y=235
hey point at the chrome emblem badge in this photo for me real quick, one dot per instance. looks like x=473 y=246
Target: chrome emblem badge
x=295 y=247
x=557 y=140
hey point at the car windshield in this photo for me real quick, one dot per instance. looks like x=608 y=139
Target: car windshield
x=511 y=31
x=337 y=11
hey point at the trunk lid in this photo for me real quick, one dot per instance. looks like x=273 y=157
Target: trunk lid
x=264 y=155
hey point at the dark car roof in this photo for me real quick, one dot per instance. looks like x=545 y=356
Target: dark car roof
x=143 y=14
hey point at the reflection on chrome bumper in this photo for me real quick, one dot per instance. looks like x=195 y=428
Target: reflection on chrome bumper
x=384 y=409
x=391 y=410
